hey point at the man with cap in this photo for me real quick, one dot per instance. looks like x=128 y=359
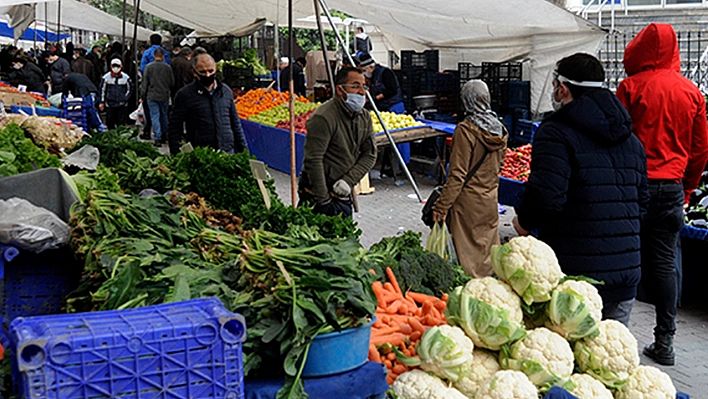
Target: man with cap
x=383 y=85
x=114 y=94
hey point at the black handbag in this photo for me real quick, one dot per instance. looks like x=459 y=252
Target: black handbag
x=427 y=212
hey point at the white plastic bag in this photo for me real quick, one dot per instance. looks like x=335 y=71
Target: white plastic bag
x=138 y=115
x=30 y=227
x=438 y=240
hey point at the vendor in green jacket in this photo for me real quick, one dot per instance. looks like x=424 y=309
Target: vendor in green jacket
x=339 y=147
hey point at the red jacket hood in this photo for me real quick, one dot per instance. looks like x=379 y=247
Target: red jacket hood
x=655 y=47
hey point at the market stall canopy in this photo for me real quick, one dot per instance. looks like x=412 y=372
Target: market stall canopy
x=28 y=35
x=463 y=30
x=77 y=15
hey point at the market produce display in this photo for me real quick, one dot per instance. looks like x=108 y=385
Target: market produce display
x=259 y=100
x=393 y=121
x=697 y=214
x=39 y=97
x=517 y=163
x=249 y=59
x=300 y=122
x=484 y=365
x=647 y=382
x=281 y=113
x=574 y=310
x=19 y=154
x=113 y=145
x=584 y=386
x=50 y=132
x=507 y=384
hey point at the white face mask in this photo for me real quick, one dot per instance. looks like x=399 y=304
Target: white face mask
x=355 y=102
x=555 y=104
x=17 y=66
x=76 y=57
x=115 y=70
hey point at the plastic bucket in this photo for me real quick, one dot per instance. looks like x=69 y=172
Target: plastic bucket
x=338 y=352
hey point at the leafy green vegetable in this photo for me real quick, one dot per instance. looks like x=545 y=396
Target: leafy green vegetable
x=138 y=173
x=102 y=179
x=19 y=154
x=113 y=145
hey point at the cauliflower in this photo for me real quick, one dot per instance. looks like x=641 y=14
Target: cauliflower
x=584 y=386
x=496 y=293
x=507 y=384
x=611 y=356
x=647 y=383
x=544 y=356
x=484 y=365
x=417 y=384
x=444 y=351
x=487 y=325
x=574 y=310
x=529 y=266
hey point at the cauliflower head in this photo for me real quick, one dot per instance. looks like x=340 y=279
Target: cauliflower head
x=544 y=356
x=446 y=352
x=484 y=365
x=487 y=325
x=584 y=386
x=507 y=384
x=647 y=383
x=574 y=310
x=496 y=293
x=417 y=384
x=611 y=356
x=530 y=266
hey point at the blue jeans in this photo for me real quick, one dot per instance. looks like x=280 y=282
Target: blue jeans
x=93 y=120
x=619 y=311
x=158 y=116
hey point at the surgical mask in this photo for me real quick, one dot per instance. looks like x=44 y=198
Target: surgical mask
x=555 y=104
x=205 y=80
x=76 y=57
x=367 y=74
x=115 y=70
x=17 y=66
x=50 y=61
x=355 y=102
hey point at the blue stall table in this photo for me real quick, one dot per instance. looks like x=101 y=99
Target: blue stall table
x=41 y=111
x=366 y=382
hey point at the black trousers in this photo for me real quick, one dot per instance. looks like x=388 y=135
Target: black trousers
x=659 y=237
x=334 y=207
x=116 y=116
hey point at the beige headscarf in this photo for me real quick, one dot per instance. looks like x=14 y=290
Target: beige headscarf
x=475 y=99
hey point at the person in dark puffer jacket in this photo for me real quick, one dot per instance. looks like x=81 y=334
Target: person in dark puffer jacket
x=587 y=191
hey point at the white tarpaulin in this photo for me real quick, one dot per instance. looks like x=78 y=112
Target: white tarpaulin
x=80 y=16
x=463 y=30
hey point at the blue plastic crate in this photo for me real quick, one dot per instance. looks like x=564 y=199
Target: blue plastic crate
x=41 y=111
x=523 y=131
x=510 y=191
x=35 y=284
x=188 y=349
x=519 y=95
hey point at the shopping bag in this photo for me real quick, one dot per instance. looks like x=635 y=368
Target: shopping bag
x=138 y=115
x=438 y=240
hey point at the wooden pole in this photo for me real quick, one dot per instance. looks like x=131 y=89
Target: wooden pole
x=291 y=46
x=324 y=45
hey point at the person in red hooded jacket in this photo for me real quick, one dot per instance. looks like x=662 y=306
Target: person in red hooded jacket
x=669 y=117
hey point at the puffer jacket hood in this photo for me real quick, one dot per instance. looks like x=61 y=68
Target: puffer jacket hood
x=597 y=114
x=655 y=47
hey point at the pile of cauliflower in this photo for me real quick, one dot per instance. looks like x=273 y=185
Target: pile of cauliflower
x=518 y=336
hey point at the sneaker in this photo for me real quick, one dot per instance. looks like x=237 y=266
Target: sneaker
x=661 y=350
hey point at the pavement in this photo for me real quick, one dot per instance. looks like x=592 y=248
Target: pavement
x=393 y=208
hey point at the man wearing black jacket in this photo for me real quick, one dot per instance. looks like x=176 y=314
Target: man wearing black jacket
x=27 y=73
x=587 y=190
x=205 y=109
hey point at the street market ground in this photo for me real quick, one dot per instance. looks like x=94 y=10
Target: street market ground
x=391 y=208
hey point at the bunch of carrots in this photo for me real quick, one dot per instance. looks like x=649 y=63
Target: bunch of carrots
x=258 y=100
x=401 y=320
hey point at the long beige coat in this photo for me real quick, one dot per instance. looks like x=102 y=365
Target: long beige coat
x=472 y=212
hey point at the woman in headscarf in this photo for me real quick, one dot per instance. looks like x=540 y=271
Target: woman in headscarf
x=470 y=208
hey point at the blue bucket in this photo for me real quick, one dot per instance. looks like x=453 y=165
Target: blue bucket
x=338 y=352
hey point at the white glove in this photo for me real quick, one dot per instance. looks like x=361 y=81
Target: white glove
x=341 y=188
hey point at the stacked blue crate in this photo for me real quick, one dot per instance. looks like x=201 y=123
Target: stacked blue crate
x=74 y=109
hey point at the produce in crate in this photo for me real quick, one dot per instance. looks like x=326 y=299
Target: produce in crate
x=544 y=356
x=393 y=121
x=529 y=265
x=300 y=123
x=488 y=324
x=507 y=384
x=444 y=351
x=647 y=382
x=517 y=163
x=583 y=386
x=281 y=113
x=417 y=384
x=248 y=59
x=574 y=310
x=611 y=356
x=484 y=365
x=258 y=100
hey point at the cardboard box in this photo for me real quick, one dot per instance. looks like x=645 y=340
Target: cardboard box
x=10 y=98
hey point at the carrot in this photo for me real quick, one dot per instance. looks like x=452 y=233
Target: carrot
x=403 y=309
x=416 y=325
x=412 y=350
x=374 y=354
x=393 y=339
x=445 y=296
x=393 y=280
x=393 y=308
x=421 y=298
x=384 y=331
x=440 y=305
x=388 y=364
x=399 y=369
x=406 y=329
x=372 y=271
x=418 y=312
x=406 y=352
x=415 y=335
x=391 y=356
x=385 y=319
x=427 y=307
x=390 y=379
x=435 y=313
x=389 y=287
